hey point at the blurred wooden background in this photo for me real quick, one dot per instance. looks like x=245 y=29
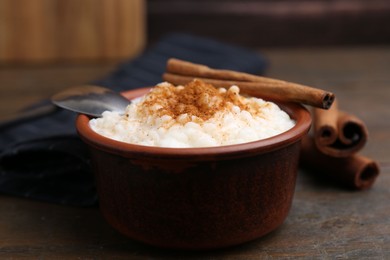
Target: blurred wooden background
x=275 y=23
x=71 y=30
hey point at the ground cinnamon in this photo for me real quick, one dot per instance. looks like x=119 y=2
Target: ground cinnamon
x=356 y=171
x=195 y=98
x=181 y=72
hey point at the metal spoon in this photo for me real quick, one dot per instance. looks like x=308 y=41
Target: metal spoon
x=90 y=100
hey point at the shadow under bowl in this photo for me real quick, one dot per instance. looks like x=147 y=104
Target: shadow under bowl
x=196 y=198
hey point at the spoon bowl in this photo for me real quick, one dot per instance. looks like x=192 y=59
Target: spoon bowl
x=90 y=100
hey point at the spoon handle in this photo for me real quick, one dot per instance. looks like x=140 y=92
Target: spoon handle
x=26 y=114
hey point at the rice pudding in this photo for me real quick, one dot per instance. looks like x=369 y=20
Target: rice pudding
x=194 y=115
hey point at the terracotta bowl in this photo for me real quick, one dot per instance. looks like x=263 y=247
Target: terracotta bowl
x=196 y=198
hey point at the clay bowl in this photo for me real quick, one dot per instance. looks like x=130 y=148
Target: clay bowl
x=196 y=198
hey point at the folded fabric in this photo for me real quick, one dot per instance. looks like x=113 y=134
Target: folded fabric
x=44 y=159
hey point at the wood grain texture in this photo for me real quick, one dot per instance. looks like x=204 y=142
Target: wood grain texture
x=325 y=222
x=70 y=30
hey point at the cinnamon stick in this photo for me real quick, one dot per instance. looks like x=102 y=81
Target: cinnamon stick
x=181 y=72
x=278 y=92
x=338 y=133
x=352 y=130
x=356 y=171
x=186 y=68
x=325 y=125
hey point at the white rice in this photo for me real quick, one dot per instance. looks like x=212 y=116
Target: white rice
x=144 y=124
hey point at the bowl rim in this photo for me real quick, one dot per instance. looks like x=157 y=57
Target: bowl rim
x=296 y=111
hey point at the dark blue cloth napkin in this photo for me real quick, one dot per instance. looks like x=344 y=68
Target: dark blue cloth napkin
x=44 y=159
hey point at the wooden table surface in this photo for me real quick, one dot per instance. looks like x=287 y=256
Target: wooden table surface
x=325 y=222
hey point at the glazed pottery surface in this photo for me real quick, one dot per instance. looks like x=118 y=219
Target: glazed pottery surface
x=196 y=198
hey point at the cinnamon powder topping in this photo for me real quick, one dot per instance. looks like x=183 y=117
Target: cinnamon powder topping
x=196 y=98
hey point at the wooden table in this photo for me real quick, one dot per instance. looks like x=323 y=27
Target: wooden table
x=325 y=222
